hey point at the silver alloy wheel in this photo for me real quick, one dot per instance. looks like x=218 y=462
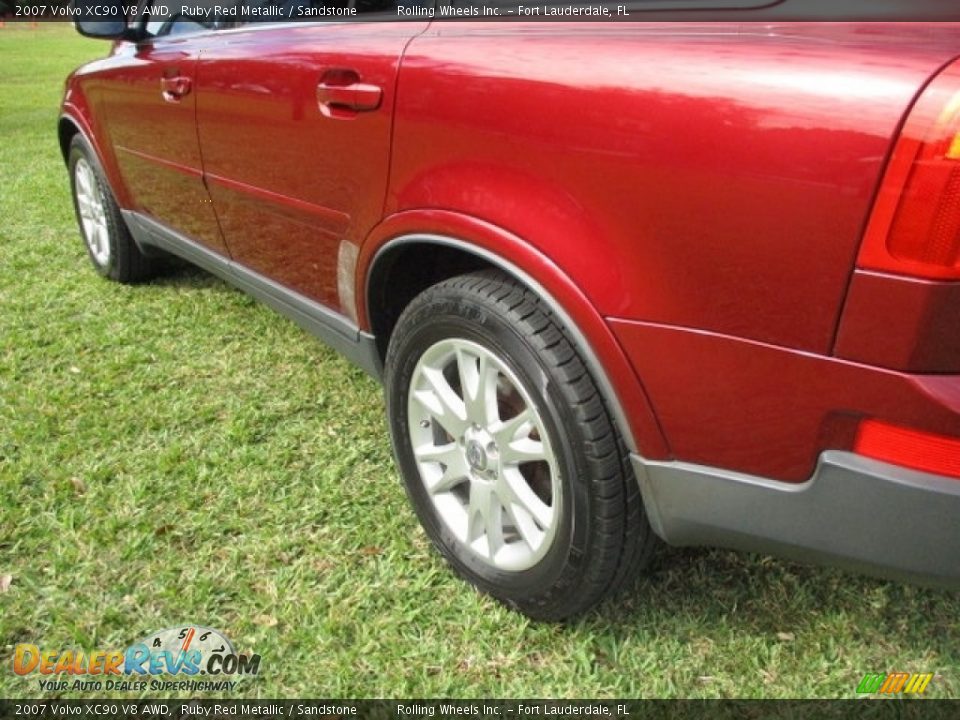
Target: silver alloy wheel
x=93 y=217
x=484 y=454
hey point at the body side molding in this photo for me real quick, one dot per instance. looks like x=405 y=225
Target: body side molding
x=332 y=328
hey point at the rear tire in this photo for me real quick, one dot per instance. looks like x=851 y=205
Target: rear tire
x=110 y=246
x=507 y=450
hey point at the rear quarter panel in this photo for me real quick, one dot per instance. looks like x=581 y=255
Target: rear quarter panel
x=711 y=176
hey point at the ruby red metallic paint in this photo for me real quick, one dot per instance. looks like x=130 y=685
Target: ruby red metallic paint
x=325 y=176
x=767 y=410
x=693 y=195
x=706 y=176
x=628 y=388
x=899 y=322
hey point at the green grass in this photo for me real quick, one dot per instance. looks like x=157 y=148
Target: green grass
x=177 y=453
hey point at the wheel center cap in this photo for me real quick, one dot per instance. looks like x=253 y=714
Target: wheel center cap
x=476 y=455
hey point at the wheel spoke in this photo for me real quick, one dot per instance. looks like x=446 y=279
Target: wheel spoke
x=525 y=524
x=455 y=468
x=485 y=520
x=519 y=492
x=519 y=426
x=522 y=451
x=475 y=514
x=83 y=180
x=494 y=525
x=445 y=454
x=454 y=474
x=83 y=203
x=478 y=380
x=442 y=402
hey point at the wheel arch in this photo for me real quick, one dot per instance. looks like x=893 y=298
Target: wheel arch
x=67 y=128
x=391 y=271
x=73 y=121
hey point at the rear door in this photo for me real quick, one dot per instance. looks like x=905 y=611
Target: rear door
x=295 y=127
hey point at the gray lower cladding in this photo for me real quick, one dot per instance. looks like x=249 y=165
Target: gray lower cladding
x=332 y=328
x=854 y=513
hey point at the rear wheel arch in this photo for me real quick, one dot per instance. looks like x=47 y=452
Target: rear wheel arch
x=395 y=273
x=403 y=270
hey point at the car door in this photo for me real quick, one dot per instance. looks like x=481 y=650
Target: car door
x=294 y=125
x=149 y=97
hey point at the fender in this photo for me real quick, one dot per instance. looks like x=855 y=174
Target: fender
x=75 y=110
x=565 y=223
x=620 y=385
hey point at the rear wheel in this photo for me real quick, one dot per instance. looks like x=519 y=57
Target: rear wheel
x=109 y=244
x=507 y=450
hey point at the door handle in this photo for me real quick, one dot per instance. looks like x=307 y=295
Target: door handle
x=174 y=88
x=340 y=94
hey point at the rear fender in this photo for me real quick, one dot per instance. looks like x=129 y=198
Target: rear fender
x=623 y=391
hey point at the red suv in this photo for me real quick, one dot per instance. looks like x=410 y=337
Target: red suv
x=690 y=280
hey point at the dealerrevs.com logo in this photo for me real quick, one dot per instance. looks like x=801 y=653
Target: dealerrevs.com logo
x=169 y=660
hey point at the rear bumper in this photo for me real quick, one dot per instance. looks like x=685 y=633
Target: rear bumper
x=854 y=512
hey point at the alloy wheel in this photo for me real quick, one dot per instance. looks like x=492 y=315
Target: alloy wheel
x=93 y=217
x=484 y=455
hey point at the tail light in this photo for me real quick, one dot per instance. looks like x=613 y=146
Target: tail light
x=915 y=226
x=927 y=452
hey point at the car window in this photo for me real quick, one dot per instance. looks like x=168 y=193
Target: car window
x=170 y=19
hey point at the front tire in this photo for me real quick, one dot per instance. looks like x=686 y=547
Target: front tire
x=110 y=246
x=507 y=450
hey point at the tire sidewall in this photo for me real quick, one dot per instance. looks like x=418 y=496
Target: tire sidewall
x=441 y=315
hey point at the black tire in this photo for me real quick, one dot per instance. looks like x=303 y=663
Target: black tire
x=121 y=261
x=603 y=538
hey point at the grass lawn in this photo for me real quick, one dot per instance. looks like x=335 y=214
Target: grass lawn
x=176 y=453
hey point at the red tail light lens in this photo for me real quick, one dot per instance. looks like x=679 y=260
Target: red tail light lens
x=909 y=448
x=915 y=226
